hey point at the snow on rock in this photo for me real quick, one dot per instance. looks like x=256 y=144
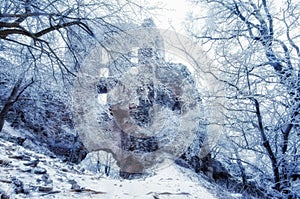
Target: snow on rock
x=28 y=174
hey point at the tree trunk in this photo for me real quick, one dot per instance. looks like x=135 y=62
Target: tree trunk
x=3 y=114
x=13 y=97
x=267 y=146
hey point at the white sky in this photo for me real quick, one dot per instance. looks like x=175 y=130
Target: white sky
x=173 y=15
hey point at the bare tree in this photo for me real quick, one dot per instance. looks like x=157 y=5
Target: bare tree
x=256 y=44
x=34 y=37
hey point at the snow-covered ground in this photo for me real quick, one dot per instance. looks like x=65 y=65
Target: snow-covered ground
x=49 y=177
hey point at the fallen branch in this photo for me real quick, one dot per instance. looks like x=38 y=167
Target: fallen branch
x=168 y=193
x=50 y=192
x=5 y=181
x=87 y=190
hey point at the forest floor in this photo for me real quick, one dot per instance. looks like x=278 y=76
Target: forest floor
x=25 y=173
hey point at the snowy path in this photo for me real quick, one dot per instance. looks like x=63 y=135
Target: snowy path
x=51 y=178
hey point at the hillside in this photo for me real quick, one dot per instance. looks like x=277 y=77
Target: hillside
x=51 y=177
x=25 y=173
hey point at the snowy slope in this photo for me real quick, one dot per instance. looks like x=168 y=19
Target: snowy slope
x=21 y=176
